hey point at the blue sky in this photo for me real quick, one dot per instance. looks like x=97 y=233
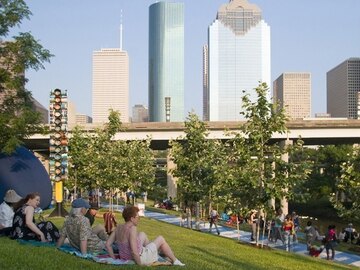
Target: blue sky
x=306 y=36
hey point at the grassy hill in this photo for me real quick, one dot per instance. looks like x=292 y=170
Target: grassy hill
x=197 y=250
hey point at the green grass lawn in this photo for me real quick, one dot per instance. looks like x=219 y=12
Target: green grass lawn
x=197 y=250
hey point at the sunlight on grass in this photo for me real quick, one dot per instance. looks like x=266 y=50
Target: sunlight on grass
x=197 y=250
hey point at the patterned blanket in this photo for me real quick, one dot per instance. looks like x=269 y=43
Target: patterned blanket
x=100 y=257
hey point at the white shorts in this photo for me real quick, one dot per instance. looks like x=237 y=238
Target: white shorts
x=149 y=254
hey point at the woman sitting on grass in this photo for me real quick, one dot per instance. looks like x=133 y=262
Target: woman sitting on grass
x=136 y=246
x=24 y=226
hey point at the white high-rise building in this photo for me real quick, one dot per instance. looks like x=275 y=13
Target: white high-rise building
x=110 y=84
x=239 y=57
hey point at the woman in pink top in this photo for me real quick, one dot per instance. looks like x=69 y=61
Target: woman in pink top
x=134 y=245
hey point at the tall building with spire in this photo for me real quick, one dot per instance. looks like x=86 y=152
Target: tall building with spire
x=166 y=62
x=110 y=83
x=238 y=58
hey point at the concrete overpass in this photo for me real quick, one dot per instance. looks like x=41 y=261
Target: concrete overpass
x=312 y=131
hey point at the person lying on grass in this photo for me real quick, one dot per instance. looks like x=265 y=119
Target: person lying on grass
x=79 y=232
x=136 y=246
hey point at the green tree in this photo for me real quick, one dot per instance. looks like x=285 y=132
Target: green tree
x=326 y=169
x=198 y=162
x=18 y=120
x=256 y=171
x=346 y=200
x=99 y=161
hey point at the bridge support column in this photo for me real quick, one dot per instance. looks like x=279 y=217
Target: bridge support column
x=285 y=157
x=171 y=180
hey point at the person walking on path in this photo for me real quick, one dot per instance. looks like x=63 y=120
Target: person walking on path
x=288 y=228
x=296 y=221
x=253 y=222
x=213 y=218
x=330 y=242
x=279 y=219
x=310 y=234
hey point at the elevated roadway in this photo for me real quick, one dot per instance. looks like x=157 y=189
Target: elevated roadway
x=312 y=132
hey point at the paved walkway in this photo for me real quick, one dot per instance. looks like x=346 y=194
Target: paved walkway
x=244 y=236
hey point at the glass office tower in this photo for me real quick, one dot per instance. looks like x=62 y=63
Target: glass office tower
x=166 y=62
x=239 y=57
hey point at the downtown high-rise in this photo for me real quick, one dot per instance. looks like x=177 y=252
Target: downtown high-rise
x=166 y=62
x=343 y=88
x=110 y=84
x=292 y=90
x=238 y=58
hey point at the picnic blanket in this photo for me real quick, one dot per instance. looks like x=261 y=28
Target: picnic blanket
x=102 y=257
x=97 y=257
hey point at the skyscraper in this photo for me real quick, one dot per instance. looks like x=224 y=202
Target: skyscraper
x=205 y=83
x=140 y=113
x=166 y=61
x=110 y=84
x=343 y=86
x=293 y=92
x=239 y=57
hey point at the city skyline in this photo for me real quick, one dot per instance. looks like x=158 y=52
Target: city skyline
x=306 y=36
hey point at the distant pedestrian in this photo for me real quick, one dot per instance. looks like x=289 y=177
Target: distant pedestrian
x=253 y=222
x=279 y=219
x=213 y=219
x=330 y=242
x=289 y=230
x=310 y=234
x=296 y=221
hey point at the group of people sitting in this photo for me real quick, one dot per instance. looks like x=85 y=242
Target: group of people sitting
x=349 y=234
x=17 y=221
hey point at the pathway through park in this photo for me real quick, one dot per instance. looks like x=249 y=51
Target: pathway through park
x=244 y=236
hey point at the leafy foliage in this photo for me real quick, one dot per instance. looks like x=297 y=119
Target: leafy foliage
x=97 y=160
x=347 y=198
x=198 y=162
x=248 y=170
x=18 y=119
x=326 y=168
x=256 y=169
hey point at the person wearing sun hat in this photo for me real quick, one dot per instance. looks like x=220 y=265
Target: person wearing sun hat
x=78 y=231
x=7 y=211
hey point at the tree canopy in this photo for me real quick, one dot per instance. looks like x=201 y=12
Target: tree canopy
x=18 y=54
